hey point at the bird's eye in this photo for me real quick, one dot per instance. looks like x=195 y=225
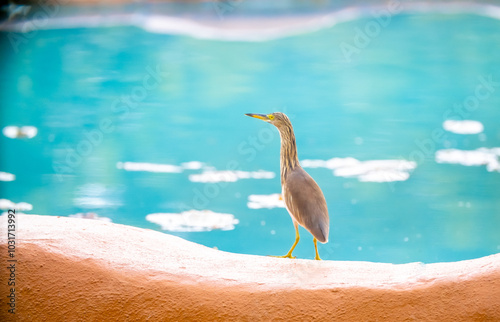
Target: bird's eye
x=271 y=117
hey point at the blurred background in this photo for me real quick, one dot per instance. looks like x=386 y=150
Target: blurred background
x=133 y=112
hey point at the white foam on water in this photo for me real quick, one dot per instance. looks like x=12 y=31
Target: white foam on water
x=366 y=171
x=193 y=221
x=463 y=127
x=192 y=165
x=213 y=176
x=10 y=131
x=265 y=201
x=149 y=167
x=5 y=176
x=6 y=204
x=94 y=195
x=208 y=174
x=482 y=156
x=94 y=202
x=160 y=167
x=23 y=132
x=384 y=176
x=331 y=164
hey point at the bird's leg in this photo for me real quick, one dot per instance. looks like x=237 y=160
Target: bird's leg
x=316 y=248
x=297 y=237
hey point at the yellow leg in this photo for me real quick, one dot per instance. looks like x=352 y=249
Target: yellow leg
x=316 y=248
x=297 y=237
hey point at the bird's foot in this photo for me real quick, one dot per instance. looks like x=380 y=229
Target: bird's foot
x=284 y=256
x=317 y=258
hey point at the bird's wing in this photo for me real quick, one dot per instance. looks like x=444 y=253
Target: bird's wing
x=306 y=203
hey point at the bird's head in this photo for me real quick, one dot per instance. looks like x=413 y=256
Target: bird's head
x=277 y=119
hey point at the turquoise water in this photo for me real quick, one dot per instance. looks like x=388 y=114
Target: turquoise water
x=100 y=97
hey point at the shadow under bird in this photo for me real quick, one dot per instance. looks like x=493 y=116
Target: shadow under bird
x=303 y=198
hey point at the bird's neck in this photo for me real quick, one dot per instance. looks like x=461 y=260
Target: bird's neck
x=288 y=155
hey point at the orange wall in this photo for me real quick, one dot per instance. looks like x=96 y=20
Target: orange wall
x=84 y=270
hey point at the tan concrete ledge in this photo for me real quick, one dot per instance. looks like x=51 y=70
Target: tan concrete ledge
x=85 y=270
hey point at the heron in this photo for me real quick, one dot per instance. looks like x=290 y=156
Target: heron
x=303 y=198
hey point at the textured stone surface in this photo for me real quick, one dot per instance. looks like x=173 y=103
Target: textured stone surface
x=75 y=269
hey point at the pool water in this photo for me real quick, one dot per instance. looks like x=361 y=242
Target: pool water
x=132 y=123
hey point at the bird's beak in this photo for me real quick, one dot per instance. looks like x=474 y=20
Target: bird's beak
x=258 y=116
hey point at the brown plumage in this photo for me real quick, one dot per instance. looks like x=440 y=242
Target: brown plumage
x=303 y=197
